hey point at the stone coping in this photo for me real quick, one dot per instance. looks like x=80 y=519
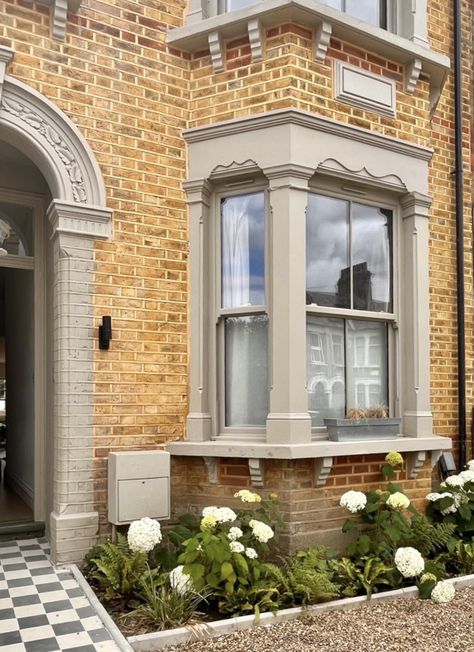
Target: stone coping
x=159 y=640
x=311 y=450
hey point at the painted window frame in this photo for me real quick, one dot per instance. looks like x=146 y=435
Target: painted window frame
x=217 y=344
x=321 y=185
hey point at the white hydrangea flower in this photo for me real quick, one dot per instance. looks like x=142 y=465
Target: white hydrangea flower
x=247 y=496
x=180 y=581
x=470 y=465
x=443 y=592
x=354 y=501
x=235 y=533
x=221 y=514
x=434 y=496
x=261 y=531
x=455 y=481
x=409 y=562
x=144 y=535
x=467 y=476
x=398 y=501
x=236 y=546
x=251 y=553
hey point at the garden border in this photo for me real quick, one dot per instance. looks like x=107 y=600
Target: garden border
x=114 y=631
x=181 y=635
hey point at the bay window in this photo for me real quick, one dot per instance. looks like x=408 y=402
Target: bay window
x=309 y=283
x=370 y=11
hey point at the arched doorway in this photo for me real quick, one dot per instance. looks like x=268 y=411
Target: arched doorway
x=73 y=215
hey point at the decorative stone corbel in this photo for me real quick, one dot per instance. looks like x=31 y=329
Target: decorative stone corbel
x=435 y=455
x=6 y=56
x=322 y=37
x=415 y=462
x=322 y=469
x=412 y=74
x=256 y=469
x=256 y=38
x=211 y=465
x=217 y=51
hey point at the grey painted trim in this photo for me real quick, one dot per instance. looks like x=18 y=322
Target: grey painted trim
x=315 y=449
x=310 y=121
x=52 y=141
x=356 y=86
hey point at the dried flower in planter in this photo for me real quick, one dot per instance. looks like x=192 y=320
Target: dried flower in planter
x=377 y=412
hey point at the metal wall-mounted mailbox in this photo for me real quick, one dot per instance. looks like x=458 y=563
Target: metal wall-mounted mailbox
x=139 y=485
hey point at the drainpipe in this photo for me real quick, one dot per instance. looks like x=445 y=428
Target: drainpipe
x=458 y=171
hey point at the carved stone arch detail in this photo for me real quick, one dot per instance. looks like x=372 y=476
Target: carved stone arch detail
x=337 y=169
x=30 y=122
x=235 y=169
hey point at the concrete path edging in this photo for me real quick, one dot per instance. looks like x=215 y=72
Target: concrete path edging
x=100 y=610
x=158 y=640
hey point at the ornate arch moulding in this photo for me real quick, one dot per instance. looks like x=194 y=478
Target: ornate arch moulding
x=49 y=138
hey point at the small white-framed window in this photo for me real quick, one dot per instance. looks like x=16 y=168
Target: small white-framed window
x=374 y=12
x=241 y=310
x=350 y=302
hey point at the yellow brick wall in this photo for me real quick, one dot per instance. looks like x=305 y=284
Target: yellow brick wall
x=131 y=95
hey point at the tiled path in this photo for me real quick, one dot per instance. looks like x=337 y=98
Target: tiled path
x=43 y=609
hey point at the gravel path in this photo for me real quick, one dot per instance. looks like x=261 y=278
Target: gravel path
x=398 y=626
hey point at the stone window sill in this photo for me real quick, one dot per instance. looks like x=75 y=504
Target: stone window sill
x=210 y=33
x=323 y=452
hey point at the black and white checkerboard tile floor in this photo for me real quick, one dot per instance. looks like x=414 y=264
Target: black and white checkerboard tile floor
x=43 y=609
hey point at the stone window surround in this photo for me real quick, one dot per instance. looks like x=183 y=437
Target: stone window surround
x=205 y=30
x=288 y=147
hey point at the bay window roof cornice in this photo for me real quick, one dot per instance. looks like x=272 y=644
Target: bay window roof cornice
x=326 y=22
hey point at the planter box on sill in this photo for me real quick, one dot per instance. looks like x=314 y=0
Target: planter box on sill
x=362 y=429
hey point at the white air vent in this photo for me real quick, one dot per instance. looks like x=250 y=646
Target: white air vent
x=139 y=485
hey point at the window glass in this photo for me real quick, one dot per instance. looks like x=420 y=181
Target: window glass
x=367 y=10
x=232 y=5
x=327 y=252
x=366 y=364
x=243 y=251
x=16 y=230
x=371 y=258
x=246 y=390
x=352 y=375
x=348 y=255
x=325 y=374
x=370 y=11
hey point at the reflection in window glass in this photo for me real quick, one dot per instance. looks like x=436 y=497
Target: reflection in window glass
x=354 y=376
x=366 y=364
x=232 y=5
x=16 y=230
x=325 y=382
x=246 y=392
x=367 y=10
x=371 y=258
x=327 y=252
x=243 y=251
x=370 y=11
